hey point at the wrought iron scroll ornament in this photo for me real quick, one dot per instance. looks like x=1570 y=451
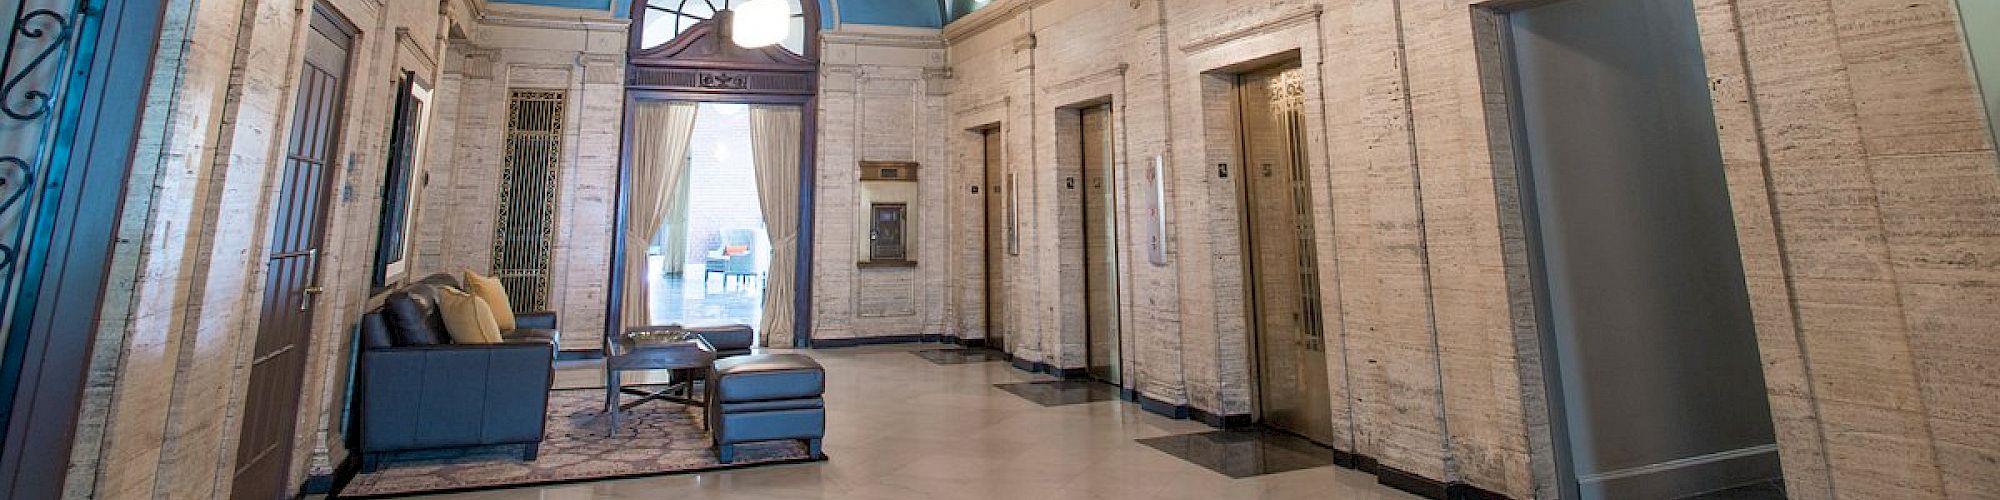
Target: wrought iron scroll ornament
x=29 y=28
x=27 y=93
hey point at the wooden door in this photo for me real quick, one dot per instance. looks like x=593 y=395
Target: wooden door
x=271 y=404
x=996 y=241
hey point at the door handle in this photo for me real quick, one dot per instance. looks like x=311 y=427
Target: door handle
x=312 y=288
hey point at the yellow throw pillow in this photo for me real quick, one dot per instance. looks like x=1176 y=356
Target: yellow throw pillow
x=495 y=295
x=467 y=318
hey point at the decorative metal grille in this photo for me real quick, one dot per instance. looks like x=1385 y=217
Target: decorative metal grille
x=524 y=231
x=36 y=130
x=1288 y=104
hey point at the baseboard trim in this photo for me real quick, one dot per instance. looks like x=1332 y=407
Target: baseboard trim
x=1185 y=412
x=328 y=484
x=1045 y=368
x=1236 y=421
x=1413 y=483
x=1163 y=408
x=1405 y=480
x=895 y=339
x=864 y=341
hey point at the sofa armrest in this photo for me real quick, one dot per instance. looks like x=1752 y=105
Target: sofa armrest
x=544 y=320
x=453 y=395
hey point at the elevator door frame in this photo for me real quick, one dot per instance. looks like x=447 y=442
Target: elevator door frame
x=993 y=208
x=1248 y=235
x=1564 y=443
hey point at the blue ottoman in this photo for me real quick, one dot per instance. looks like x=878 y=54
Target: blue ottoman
x=766 y=397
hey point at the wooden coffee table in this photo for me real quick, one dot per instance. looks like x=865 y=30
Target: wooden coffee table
x=654 y=348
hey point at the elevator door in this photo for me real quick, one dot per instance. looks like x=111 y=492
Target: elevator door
x=1100 y=244
x=1280 y=263
x=996 y=241
x=1657 y=387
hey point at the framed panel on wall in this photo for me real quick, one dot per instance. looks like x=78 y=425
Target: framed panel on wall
x=408 y=132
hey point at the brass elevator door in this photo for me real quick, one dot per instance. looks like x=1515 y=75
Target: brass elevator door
x=996 y=241
x=1100 y=244
x=1280 y=265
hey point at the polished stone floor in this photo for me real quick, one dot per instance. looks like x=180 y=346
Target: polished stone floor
x=901 y=427
x=956 y=356
x=1062 y=392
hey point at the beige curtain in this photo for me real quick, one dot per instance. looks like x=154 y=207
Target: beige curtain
x=774 y=145
x=674 y=244
x=661 y=132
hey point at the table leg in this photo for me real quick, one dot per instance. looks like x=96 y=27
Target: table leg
x=611 y=389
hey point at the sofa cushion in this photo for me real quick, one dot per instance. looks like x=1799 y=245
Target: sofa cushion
x=726 y=338
x=543 y=320
x=409 y=321
x=762 y=377
x=530 y=335
x=427 y=296
x=375 y=332
x=467 y=318
x=495 y=295
x=439 y=279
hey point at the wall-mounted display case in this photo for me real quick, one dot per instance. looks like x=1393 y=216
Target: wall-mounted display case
x=887 y=212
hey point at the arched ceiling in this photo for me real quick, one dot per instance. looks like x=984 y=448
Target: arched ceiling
x=910 y=13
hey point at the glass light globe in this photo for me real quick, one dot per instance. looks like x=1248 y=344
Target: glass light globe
x=760 y=23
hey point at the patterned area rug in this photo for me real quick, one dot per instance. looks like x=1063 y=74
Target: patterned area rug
x=653 y=438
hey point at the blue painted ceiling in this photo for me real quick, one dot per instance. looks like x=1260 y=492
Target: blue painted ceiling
x=911 y=13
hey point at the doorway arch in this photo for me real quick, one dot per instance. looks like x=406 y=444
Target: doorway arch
x=701 y=64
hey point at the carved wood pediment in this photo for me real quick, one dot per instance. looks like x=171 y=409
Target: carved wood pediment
x=703 y=59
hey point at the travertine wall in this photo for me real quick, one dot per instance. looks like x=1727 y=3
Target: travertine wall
x=881 y=99
x=1415 y=287
x=1867 y=199
x=526 y=47
x=1864 y=184
x=160 y=415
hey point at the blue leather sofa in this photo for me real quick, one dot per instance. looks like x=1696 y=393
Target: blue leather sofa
x=414 y=390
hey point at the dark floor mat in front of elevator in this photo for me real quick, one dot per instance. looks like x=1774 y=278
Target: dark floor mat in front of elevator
x=1244 y=453
x=1062 y=392
x=960 y=356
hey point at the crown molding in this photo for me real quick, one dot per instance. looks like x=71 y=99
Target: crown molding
x=881 y=39
x=983 y=19
x=547 y=18
x=425 y=59
x=1271 y=24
